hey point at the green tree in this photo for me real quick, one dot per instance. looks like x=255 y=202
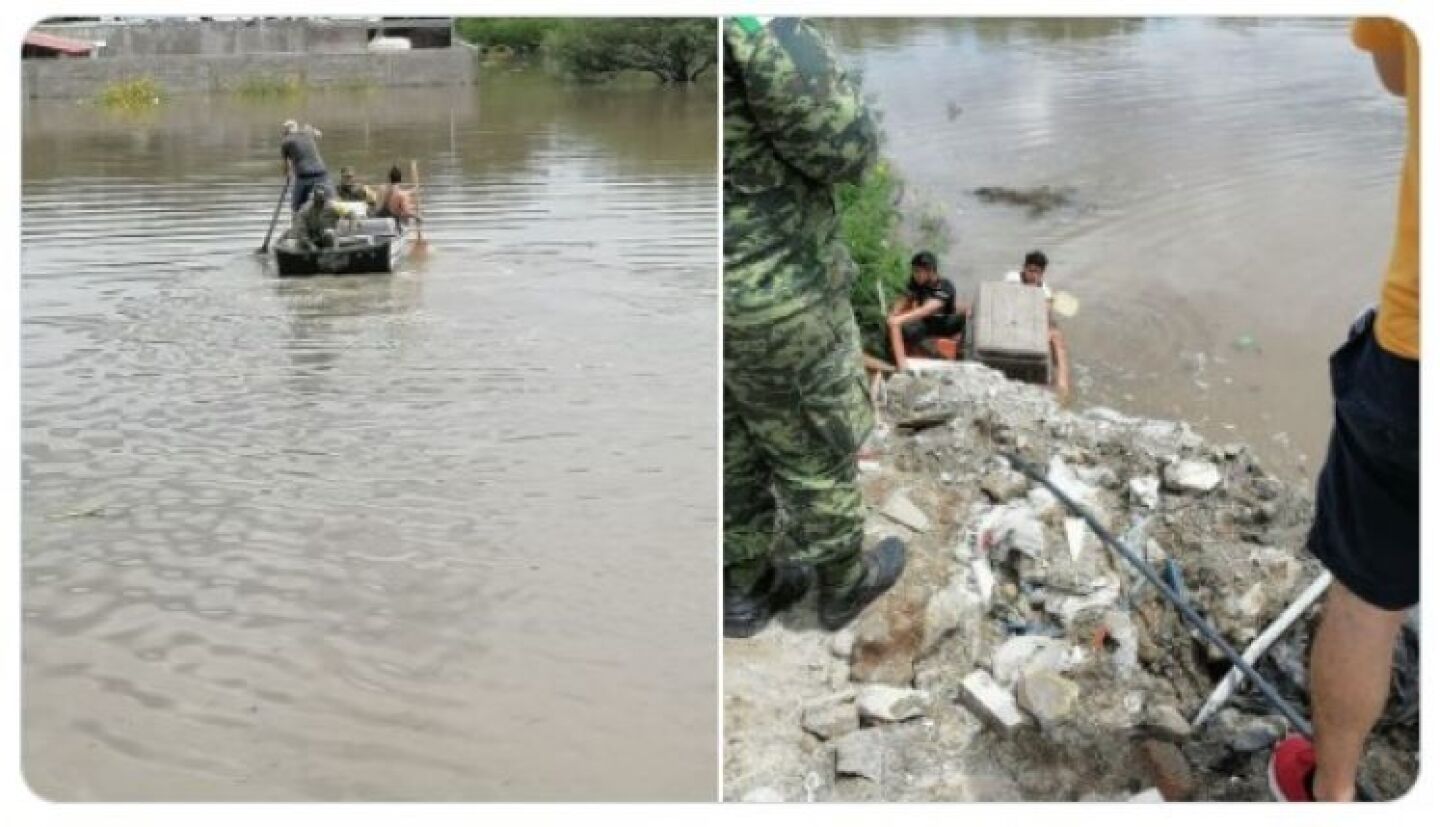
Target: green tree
x=522 y=35
x=674 y=50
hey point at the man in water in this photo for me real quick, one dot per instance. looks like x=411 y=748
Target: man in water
x=315 y=224
x=394 y=201
x=796 y=408
x=302 y=163
x=928 y=309
x=1367 y=500
x=1032 y=272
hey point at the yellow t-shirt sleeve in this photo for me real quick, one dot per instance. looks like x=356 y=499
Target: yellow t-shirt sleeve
x=1378 y=34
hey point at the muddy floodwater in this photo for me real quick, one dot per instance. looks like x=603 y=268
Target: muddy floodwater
x=1228 y=194
x=446 y=534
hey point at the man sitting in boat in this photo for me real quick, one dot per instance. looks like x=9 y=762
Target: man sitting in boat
x=351 y=189
x=315 y=224
x=303 y=162
x=393 y=200
x=928 y=309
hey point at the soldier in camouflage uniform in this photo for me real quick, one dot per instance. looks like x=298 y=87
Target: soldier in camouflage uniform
x=796 y=406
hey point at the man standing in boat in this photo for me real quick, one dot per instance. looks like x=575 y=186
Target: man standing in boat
x=302 y=163
x=796 y=409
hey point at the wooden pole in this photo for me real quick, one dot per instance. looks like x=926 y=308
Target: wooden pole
x=419 y=220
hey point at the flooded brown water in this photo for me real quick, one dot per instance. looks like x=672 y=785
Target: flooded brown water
x=447 y=534
x=1234 y=186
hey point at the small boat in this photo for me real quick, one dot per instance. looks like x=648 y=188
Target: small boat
x=365 y=245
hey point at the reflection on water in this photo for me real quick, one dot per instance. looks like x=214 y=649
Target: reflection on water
x=441 y=535
x=1235 y=185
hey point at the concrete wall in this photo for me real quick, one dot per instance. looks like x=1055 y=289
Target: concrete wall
x=79 y=78
x=218 y=37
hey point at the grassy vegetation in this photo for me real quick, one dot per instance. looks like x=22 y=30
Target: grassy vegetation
x=131 y=94
x=269 y=86
x=869 y=226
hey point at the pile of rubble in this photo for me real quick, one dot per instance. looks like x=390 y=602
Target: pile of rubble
x=1018 y=658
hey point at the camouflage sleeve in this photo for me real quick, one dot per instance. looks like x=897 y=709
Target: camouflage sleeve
x=802 y=99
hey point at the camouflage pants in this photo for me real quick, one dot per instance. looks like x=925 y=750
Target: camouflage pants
x=796 y=412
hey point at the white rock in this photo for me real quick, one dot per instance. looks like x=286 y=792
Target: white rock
x=1146 y=796
x=984 y=579
x=1018 y=653
x=906 y=513
x=990 y=701
x=1189 y=475
x=1062 y=477
x=1145 y=491
x=891 y=704
x=1075 y=536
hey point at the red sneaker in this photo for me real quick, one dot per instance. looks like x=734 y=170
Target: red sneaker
x=1292 y=766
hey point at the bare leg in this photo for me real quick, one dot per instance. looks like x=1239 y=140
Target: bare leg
x=1349 y=683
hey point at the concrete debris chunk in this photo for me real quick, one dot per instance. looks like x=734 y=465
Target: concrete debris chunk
x=1145 y=492
x=831 y=717
x=1004 y=484
x=1018 y=653
x=1047 y=695
x=891 y=704
x=1192 y=476
x=990 y=701
x=900 y=509
x=1166 y=722
x=861 y=754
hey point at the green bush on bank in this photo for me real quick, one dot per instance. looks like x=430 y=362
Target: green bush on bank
x=131 y=93
x=869 y=226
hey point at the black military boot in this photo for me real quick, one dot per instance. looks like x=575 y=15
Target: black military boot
x=748 y=610
x=845 y=593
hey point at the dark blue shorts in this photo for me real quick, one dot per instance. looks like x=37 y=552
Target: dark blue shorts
x=1367 y=500
x=304 y=184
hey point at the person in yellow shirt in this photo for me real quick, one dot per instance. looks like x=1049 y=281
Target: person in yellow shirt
x=1367 y=501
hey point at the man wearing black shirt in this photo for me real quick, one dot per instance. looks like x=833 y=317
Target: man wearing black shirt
x=927 y=309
